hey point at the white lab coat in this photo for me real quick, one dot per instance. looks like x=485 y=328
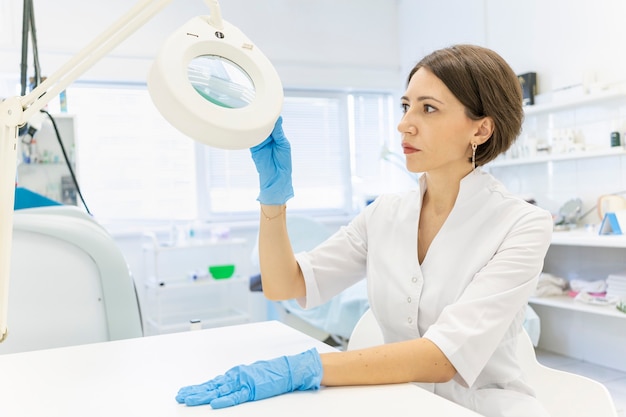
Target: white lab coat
x=469 y=294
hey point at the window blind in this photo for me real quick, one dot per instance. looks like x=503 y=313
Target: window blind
x=133 y=165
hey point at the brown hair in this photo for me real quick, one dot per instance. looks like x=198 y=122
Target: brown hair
x=487 y=86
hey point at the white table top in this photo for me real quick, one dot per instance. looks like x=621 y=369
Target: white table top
x=140 y=377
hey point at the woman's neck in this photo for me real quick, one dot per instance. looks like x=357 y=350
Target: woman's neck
x=442 y=190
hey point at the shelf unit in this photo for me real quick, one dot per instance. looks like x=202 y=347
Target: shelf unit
x=592 y=333
x=568 y=303
x=580 y=237
x=579 y=101
x=186 y=305
x=51 y=176
x=600 y=254
x=176 y=301
x=595 y=153
x=616 y=94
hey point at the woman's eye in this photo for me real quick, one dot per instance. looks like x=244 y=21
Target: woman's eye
x=405 y=107
x=428 y=108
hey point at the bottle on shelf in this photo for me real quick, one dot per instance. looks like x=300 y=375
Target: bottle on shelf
x=615 y=136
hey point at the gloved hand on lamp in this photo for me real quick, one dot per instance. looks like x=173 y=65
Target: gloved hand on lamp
x=262 y=379
x=272 y=158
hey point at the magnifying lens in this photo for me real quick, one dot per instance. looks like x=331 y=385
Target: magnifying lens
x=214 y=85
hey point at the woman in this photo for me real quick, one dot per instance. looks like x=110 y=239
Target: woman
x=449 y=266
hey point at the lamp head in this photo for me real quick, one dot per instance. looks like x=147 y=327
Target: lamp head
x=215 y=86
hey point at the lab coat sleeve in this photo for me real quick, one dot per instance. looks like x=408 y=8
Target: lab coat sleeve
x=335 y=264
x=470 y=330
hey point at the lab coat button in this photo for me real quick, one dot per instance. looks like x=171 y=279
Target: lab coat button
x=414 y=279
x=408 y=300
x=410 y=320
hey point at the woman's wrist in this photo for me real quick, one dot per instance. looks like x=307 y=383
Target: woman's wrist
x=271 y=212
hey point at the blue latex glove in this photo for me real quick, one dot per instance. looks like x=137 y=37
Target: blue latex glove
x=262 y=379
x=272 y=158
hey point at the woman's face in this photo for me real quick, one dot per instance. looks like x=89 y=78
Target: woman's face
x=436 y=133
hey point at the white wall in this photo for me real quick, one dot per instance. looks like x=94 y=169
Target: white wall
x=425 y=26
x=561 y=40
x=312 y=43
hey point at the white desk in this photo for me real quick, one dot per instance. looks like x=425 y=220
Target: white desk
x=140 y=377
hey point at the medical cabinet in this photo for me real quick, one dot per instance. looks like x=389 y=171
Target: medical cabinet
x=181 y=293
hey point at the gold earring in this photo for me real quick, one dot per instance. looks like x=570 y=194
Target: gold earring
x=474 y=146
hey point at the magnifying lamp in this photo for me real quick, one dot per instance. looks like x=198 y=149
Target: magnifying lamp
x=209 y=81
x=230 y=91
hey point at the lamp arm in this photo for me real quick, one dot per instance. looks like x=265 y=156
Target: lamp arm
x=215 y=17
x=104 y=43
x=16 y=111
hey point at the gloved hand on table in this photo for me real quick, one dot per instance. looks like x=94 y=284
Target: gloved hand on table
x=262 y=379
x=272 y=158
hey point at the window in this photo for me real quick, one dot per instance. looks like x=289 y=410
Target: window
x=133 y=165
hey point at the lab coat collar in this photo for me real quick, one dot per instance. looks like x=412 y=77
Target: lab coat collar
x=470 y=185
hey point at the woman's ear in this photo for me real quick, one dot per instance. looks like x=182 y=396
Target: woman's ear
x=485 y=130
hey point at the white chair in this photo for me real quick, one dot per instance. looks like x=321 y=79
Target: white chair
x=366 y=333
x=70 y=283
x=563 y=394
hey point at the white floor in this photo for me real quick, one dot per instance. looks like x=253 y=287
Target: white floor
x=614 y=380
